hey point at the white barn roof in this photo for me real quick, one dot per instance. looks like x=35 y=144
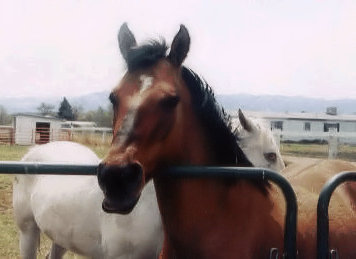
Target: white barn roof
x=297 y=116
x=38 y=116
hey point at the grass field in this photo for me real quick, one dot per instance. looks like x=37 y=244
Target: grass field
x=8 y=232
x=346 y=152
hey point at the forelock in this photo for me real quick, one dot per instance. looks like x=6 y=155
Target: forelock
x=146 y=55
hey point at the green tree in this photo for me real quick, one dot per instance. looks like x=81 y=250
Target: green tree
x=102 y=117
x=5 y=118
x=45 y=109
x=78 y=112
x=99 y=117
x=65 y=110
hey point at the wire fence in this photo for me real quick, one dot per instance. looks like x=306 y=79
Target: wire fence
x=321 y=145
x=6 y=135
x=91 y=136
x=332 y=145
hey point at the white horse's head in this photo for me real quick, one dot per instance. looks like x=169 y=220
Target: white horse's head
x=257 y=142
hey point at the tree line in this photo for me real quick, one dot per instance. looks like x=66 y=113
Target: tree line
x=5 y=118
x=101 y=116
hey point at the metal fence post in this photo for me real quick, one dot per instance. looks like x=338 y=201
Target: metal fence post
x=333 y=143
x=323 y=211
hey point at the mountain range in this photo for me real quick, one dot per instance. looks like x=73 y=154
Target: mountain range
x=273 y=103
x=29 y=104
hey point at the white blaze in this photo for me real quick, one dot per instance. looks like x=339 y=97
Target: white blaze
x=146 y=82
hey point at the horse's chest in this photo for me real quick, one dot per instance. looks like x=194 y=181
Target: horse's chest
x=224 y=238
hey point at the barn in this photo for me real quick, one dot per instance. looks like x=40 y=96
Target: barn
x=304 y=126
x=6 y=134
x=32 y=129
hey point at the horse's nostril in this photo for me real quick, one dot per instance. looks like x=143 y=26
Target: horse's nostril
x=114 y=179
x=134 y=171
x=121 y=185
x=99 y=170
x=99 y=174
x=100 y=167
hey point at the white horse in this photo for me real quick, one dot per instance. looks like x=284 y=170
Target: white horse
x=258 y=144
x=68 y=210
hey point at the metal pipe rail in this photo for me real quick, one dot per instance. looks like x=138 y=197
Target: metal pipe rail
x=190 y=172
x=323 y=212
x=10 y=167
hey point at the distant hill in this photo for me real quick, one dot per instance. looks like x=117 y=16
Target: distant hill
x=91 y=101
x=25 y=104
x=273 y=103
x=277 y=103
x=30 y=104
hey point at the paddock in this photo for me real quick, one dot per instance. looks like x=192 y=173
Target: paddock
x=11 y=167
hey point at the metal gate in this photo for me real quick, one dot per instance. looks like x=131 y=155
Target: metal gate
x=193 y=172
x=290 y=250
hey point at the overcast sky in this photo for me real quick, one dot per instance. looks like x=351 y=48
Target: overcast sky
x=69 y=48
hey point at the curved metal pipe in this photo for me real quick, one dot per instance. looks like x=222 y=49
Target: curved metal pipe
x=323 y=211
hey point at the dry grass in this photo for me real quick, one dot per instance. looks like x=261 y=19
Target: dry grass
x=8 y=232
x=310 y=150
x=92 y=139
x=346 y=152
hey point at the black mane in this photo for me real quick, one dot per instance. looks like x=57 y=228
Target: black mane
x=217 y=125
x=214 y=119
x=146 y=55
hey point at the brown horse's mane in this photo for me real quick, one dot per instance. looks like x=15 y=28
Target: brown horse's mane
x=216 y=122
x=146 y=55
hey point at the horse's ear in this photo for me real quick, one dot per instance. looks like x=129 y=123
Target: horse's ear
x=126 y=40
x=245 y=123
x=180 y=46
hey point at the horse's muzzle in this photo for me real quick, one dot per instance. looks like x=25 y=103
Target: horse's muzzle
x=121 y=185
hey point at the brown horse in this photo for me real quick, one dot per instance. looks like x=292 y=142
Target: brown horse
x=166 y=115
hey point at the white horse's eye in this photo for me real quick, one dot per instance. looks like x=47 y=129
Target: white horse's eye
x=272 y=157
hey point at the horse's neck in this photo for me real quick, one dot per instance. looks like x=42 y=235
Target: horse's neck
x=205 y=218
x=192 y=145
x=202 y=217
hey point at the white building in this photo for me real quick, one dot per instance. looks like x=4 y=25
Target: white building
x=35 y=129
x=310 y=126
x=79 y=124
x=29 y=129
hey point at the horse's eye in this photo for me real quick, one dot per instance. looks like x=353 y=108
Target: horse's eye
x=272 y=157
x=169 y=102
